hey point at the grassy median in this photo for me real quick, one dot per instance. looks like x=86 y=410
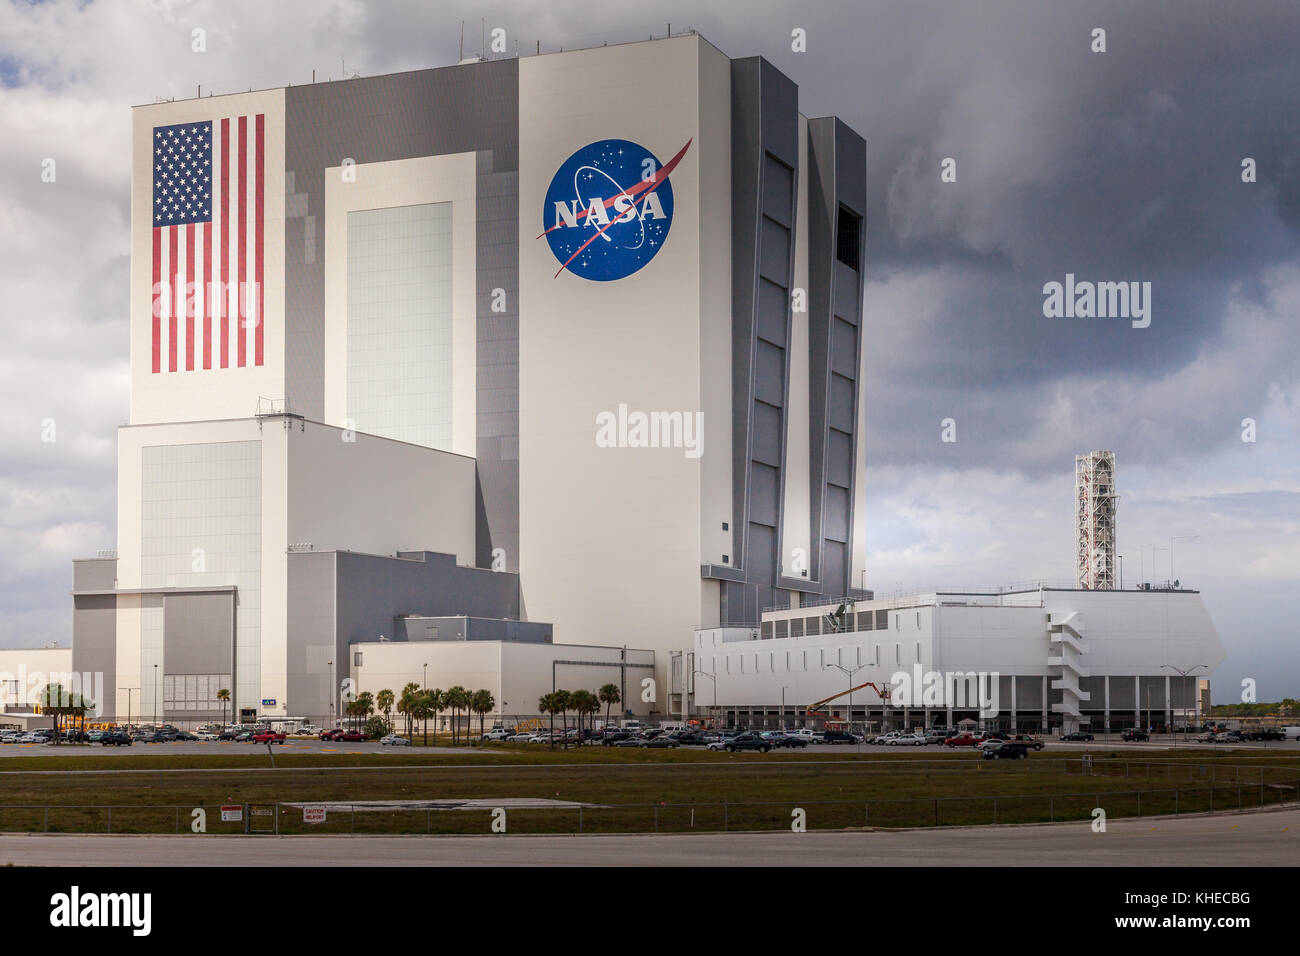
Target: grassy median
x=625 y=790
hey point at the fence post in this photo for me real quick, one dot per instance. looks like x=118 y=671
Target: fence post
x=936 y=811
x=995 y=811
x=866 y=813
x=1175 y=801
x=47 y=818
x=428 y=820
x=579 y=819
x=178 y=819
x=1051 y=808
x=110 y=818
x=656 y=818
x=1139 y=803
x=724 y=818
x=277 y=819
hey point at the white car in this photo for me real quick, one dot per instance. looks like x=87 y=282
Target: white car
x=906 y=740
x=205 y=735
x=807 y=735
x=499 y=733
x=521 y=738
x=30 y=738
x=394 y=740
x=886 y=738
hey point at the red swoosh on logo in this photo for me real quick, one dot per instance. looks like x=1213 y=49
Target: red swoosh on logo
x=647 y=185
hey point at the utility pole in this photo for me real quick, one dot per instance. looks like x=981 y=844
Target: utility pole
x=1183 y=672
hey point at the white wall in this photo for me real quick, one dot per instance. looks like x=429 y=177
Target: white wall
x=427 y=179
x=218 y=392
x=614 y=534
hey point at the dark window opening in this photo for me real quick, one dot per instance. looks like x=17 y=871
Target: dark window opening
x=848 y=238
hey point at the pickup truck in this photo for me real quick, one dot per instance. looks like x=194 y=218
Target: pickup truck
x=747 y=741
x=499 y=733
x=268 y=737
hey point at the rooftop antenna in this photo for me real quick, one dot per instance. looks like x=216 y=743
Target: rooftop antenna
x=482 y=38
x=461 y=56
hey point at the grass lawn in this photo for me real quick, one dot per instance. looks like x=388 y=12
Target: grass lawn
x=628 y=790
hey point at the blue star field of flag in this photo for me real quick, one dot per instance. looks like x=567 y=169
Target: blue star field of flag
x=182 y=174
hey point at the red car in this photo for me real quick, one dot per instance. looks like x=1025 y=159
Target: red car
x=268 y=737
x=962 y=740
x=351 y=736
x=334 y=734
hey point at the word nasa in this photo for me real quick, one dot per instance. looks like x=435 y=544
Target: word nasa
x=74 y=908
x=625 y=208
x=239 y=298
x=634 y=429
x=1100 y=300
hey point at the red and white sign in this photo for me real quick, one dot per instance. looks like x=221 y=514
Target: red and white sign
x=313 y=814
x=232 y=814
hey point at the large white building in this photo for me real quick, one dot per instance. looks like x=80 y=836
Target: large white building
x=1035 y=657
x=569 y=340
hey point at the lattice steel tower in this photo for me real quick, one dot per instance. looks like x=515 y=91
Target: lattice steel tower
x=1094 y=520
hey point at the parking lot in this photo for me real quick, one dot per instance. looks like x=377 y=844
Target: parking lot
x=209 y=748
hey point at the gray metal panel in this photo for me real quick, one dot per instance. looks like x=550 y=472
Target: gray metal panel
x=199 y=633
x=94 y=644
x=311 y=630
x=472 y=108
x=94 y=574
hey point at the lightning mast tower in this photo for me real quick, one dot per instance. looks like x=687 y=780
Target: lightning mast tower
x=1094 y=520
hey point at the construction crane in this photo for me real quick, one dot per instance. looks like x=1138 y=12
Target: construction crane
x=882 y=691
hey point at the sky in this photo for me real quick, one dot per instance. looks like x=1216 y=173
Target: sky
x=1122 y=165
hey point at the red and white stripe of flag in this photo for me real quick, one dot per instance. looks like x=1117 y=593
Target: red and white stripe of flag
x=208 y=277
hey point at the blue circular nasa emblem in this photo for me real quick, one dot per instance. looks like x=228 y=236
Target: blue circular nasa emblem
x=608 y=209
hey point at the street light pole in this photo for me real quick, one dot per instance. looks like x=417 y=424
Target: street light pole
x=331 y=664
x=849 y=671
x=1196 y=691
x=128 y=703
x=155 y=696
x=714 y=678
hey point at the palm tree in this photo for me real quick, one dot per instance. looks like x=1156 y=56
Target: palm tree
x=585 y=703
x=547 y=704
x=420 y=708
x=457 y=699
x=563 y=703
x=609 y=695
x=223 y=695
x=385 y=701
x=406 y=704
x=481 y=701
x=365 y=706
x=437 y=703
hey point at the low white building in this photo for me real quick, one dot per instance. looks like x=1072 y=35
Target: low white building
x=1035 y=658
x=512 y=660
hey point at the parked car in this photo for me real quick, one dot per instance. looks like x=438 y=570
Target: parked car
x=268 y=737
x=496 y=733
x=612 y=737
x=520 y=738
x=1077 y=735
x=961 y=740
x=230 y=733
x=885 y=738
x=746 y=741
x=352 y=737
x=788 y=741
x=115 y=740
x=205 y=735
x=1133 y=734
x=936 y=736
x=335 y=733
x=396 y=740
x=1006 y=750
x=839 y=737
x=660 y=742
x=908 y=740
x=1032 y=743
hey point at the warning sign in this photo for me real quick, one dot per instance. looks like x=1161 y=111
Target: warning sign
x=313 y=814
x=232 y=814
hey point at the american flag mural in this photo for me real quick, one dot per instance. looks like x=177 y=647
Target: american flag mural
x=208 y=203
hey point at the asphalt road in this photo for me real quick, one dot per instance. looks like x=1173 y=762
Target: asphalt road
x=1243 y=839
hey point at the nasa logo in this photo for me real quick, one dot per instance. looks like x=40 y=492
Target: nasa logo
x=609 y=208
